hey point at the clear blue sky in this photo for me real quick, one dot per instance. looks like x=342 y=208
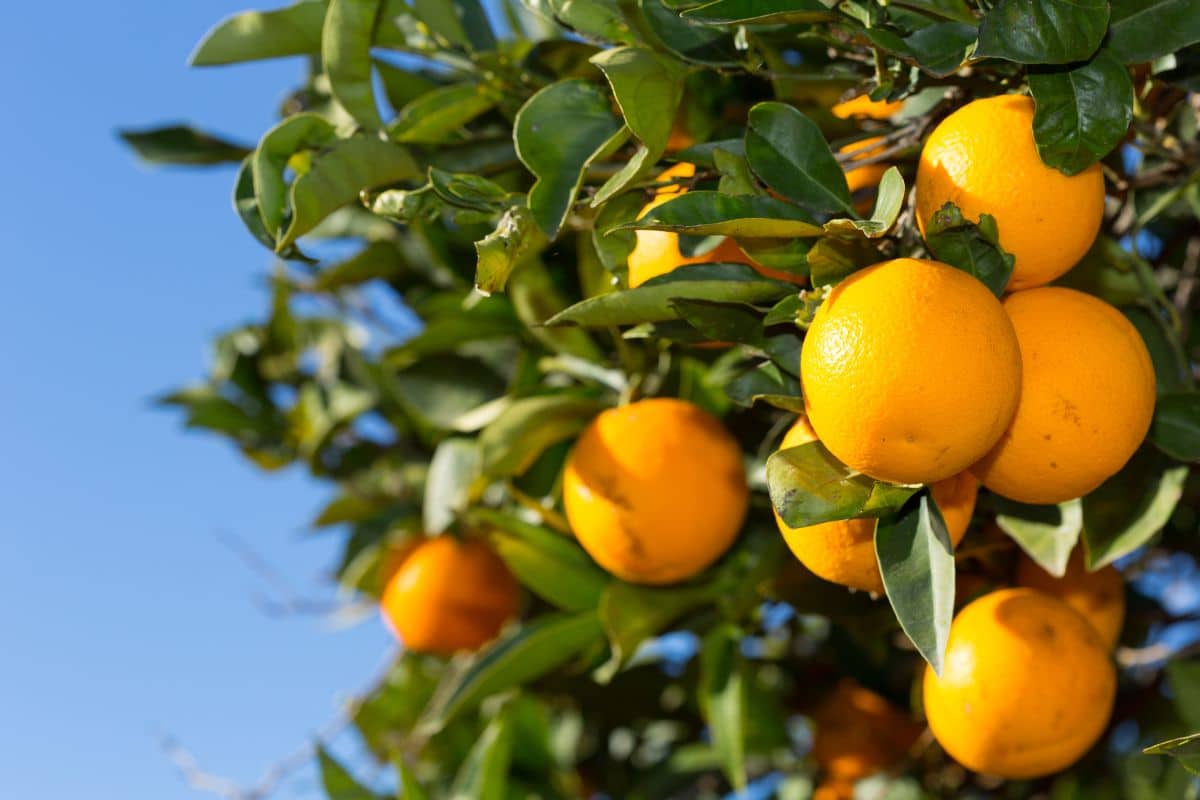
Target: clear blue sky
x=121 y=612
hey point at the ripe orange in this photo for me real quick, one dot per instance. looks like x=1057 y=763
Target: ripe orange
x=655 y=491
x=844 y=551
x=858 y=733
x=983 y=158
x=910 y=371
x=1027 y=687
x=657 y=252
x=863 y=107
x=1099 y=596
x=449 y=595
x=1087 y=396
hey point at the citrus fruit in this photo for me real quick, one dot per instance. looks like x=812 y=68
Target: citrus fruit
x=910 y=371
x=863 y=107
x=1087 y=396
x=1026 y=687
x=858 y=733
x=657 y=252
x=984 y=160
x=655 y=490
x=843 y=551
x=1099 y=596
x=449 y=595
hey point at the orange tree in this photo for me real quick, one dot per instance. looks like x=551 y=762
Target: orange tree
x=951 y=245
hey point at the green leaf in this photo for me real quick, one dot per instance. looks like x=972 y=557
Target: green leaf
x=377 y=261
x=647 y=87
x=346 y=53
x=1047 y=534
x=484 y=773
x=1128 y=510
x=1043 y=31
x=705 y=213
x=1145 y=30
x=652 y=301
x=307 y=131
x=516 y=237
x=767 y=383
x=549 y=564
x=472 y=319
x=759 y=12
x=1185 y=749
x=1184 y=677
x=723 y=699
x=788 y=153
x=434 y=117
x=808 y=485
x=468 y=190
x=700 y=44
x=338 y=175
x=1108 y=271
x=463 y=23
x=536 y=298
x=182 y=145
x=1082 y=112
x=409 y=788
x=1176 y=427
x=527 y=427
x=440 y=392
x=556 y=133
x=338 y=783
x=722 y=322
x=254 y=35
x=889 y=200
x=916 y=560
x=632 y=614
x=833 y=258
x=453 y=470
x=531 y=651
x=595 y=19
x=972 y=247
x=940 y=49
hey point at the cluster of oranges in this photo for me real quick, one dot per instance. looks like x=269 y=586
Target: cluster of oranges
x=913 y=372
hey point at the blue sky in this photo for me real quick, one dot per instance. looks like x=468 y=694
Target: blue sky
x=121 y=611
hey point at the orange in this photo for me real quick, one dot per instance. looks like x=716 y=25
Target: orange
x=449 y=595
x=657 y=252
x=910 y=371
x=655 y=490
x=863 y=107
x=1087 y=396
x=983 y=158
x=858 y=733
x=843 y=551
x=1099 y=596
x=1027 y=687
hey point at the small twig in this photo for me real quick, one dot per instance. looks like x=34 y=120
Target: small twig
x=290 y=601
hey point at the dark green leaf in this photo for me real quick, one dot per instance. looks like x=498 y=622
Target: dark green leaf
x=631 y=614
x=722 y=322
x=1185 y=749
x=1082 y=111
x=707 y=213
x=788 y=153
x=916 y=560
x=693 y=42
x=1176 y=428
x=253 y=35
x=517 y=236
x=769 y=384
x=442 y=391
x=941 y=48
x=514 y=440
x=549 y=564
x=434 y=117
x=723 y=699
x=467 y=190
x=183 y=145
x=1128 y=510
x=652 y=301
x=338 y=783
x=1043 y=31
x=460 y=22
x=1145 y=30
x=1047 y=534
x=833 y=258
x=346 y=53
x=484 y=773
x=973 y=248
x=524 y=655
x=808 y=485
x=759 y=12
x=453 y=470
x=556 y=133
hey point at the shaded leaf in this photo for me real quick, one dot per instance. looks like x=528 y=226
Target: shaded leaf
x=453 y=469
x=1043 y=31
x=484 y=773
x=549 y=564
x=514 y=440
x=972 y=247
x=692 y=42
x=1185 y=749
x=1128 y=510
x=706 y=213
x=1047 y=534
x=1144 y=30
x=632 y=614
x=461 y=22
x=916 y=560
x=808 y=485
x=434 y=116
x=1082 y=112
x=254 y=35
x=831 y=259
x=377 y=261
x=723 y=699
x=767 y=383
x=182 y=145
x=1176 y=427
x=722 y=322
x=788 y=153
x=761 y=12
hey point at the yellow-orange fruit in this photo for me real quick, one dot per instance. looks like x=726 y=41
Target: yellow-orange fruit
x=983 y=158
x=1087 y=396
x=449 y=595
x=843 y=551
x=1099 y=596
x=655 y=490
x=1027 y=687
x=910 y=371
x=657 y=252
x=859 y=733
x=863 y=107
